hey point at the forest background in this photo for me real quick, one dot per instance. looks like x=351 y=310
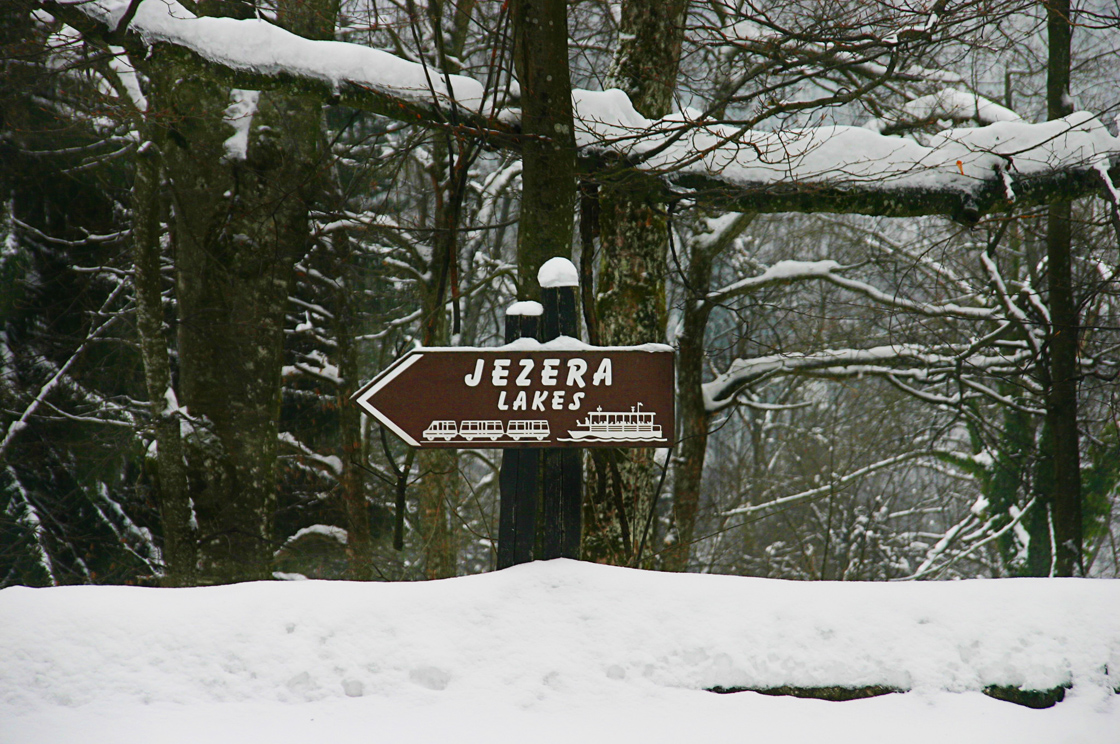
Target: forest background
x=885 y=371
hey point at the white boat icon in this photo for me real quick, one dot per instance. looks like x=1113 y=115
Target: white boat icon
x=606 y=426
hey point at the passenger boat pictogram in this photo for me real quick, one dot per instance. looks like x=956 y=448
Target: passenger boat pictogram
x=607 y=426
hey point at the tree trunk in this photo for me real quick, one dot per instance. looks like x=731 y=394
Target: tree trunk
x=548 y=176
x=1061 y=394
x=621 y=483
x=180 y=541
x=239 y=226
x=352 y=492
x=438 y=497
x=645 y=65
x=692 y=442
x=438 y=482
x=692 y=414
x=634 y=241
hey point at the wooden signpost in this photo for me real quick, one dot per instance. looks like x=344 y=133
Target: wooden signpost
x=540 y=400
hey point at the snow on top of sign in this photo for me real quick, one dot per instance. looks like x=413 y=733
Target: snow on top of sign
x=558 y=272
x=259 y=46
x=525 y=307
x=561 y=343
x=567 y=343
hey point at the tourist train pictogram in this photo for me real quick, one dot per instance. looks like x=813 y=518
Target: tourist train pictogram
x=492 y=430
x=598 y=426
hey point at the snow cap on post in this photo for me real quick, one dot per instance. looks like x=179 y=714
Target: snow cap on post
x=558 y=272
x=526 y=307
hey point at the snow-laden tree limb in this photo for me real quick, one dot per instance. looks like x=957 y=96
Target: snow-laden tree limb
x=963 y=173
x=986 y=537
x=15 y=427
x=831 y=486
x=881 y=360
x=785 y=272
x=254 y=54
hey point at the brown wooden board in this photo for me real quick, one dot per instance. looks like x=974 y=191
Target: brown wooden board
x=496 y=398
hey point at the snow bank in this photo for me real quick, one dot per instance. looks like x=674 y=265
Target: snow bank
x=553 y=648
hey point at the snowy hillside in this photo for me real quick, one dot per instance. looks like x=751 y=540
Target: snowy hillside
x=558 y=651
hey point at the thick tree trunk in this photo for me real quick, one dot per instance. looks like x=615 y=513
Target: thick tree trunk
x=232 y=292
x=634 y=242
x=1061 y=395
x=645 y=66
x=239 y=226
x=235 y=258
x=548 y=176
x=622 y=483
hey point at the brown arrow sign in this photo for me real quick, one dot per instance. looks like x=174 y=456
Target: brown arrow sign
x=527 y=395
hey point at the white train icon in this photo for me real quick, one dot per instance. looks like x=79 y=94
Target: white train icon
x=470 y=430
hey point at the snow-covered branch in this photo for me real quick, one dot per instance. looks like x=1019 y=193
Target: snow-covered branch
x=785 y=272
x=829 y=487
x=254 y=54
x=15 y=427
x=884 y=360
x=963 y=172
x=985 y=537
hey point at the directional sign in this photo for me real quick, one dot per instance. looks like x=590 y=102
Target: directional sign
x=510 y=397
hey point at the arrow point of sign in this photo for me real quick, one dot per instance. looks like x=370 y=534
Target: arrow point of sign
x=363 y=396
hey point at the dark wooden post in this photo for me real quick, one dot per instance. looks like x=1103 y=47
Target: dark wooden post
x=517 y=480
x=561 y=515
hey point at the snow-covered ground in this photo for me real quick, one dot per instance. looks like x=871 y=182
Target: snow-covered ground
x=559 y=651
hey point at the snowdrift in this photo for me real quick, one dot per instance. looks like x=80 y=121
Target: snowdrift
x=557 y=651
